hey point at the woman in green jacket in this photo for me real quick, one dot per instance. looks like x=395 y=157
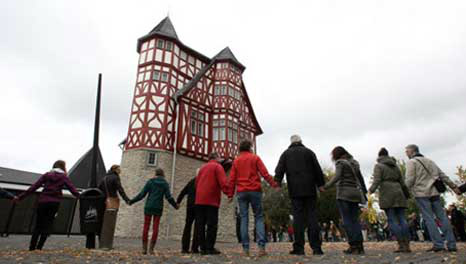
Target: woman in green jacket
x=157 y=188
x=392 y=197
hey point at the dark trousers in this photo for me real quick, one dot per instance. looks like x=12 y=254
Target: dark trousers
x=44 y=223
x=304 y=216
x=186 y=239
x=461 y=233
x=207 y=224
x=349 y=211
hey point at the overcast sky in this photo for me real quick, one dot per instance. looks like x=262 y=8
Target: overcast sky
x=361 y=74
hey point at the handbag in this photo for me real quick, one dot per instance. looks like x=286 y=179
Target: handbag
x=111 y=203
x=438 y=183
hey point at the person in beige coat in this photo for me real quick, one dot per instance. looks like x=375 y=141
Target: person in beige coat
x=421 y=174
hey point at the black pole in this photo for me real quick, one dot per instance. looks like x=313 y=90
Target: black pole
x=90 y=238
x=95 y=148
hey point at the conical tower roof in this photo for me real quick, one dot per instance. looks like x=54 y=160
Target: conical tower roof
x=164 y=28
x=227 y=54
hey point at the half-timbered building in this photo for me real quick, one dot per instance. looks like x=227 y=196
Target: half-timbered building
x=185 y=106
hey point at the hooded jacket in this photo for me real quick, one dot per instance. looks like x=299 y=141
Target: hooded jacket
x=53 y=182
x=157 y=189
x=246 y=172
x=210 y=183
x=389 y=180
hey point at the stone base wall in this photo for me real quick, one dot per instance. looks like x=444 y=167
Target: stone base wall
x=135 y=173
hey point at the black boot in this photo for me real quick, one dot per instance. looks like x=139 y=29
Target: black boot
x=33 y=243
x=41 y=243
x=351 y=249
x=360 y=246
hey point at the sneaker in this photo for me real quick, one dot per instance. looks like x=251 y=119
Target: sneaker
x=434 y=249
x=297 y=252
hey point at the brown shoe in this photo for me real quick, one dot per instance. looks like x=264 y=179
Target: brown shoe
x=245 y=253
x=144 y=247
x=262 y=253
x=407 y=248
x=401 y=246
x=151 y=248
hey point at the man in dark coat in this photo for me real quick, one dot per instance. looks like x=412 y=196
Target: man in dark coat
x=303 y=176
x=457 y=220
x=190 y=191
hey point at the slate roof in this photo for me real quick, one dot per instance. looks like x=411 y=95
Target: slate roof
x=8 y=175
x=80 y=173
x=227 y=54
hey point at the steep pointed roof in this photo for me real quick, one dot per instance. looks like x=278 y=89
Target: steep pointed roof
x=80 y=173
x=227 y=54
x=164 y=28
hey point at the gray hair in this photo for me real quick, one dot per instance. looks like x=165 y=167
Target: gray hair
x=295 y=139
x=413 y=147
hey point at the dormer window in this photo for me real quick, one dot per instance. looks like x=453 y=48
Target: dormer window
x=160 y=44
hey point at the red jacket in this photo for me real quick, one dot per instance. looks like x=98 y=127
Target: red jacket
x=246 y=172
x=210 y=182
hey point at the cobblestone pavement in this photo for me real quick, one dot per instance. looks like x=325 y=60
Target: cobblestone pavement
x=62 y=249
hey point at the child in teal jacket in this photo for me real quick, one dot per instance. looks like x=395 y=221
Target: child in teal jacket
x=157 y=188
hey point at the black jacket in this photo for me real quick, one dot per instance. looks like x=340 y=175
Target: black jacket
x=112 y=181
x=457 y=218
x=303 y=172
x=190 y=190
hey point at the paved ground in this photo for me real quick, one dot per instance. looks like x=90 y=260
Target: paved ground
x=61 y=249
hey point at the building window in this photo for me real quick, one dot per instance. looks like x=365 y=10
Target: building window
x=156 y=76
x=233 y=132
x=164 y=77
x=231 y=91
x=152 y=159
x=197 y=123
x=160 y=44
x=169 y=46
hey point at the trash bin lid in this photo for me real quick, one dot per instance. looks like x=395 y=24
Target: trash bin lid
x=91 y=192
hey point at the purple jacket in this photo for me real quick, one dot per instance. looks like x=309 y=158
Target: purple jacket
x=53 y=183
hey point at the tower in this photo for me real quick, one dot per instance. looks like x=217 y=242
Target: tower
x=185 y=106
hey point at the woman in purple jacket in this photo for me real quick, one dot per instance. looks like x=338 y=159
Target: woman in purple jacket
x=49 y=201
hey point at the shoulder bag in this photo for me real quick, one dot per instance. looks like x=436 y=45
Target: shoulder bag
x=438 y=183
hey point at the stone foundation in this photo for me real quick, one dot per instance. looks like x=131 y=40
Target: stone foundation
x=135 y=173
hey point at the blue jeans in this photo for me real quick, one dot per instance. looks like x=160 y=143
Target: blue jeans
x=431 y=207
x=349 y=211
x=397 y=222
x=255 y=199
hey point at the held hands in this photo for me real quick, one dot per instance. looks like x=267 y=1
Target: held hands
x=177 y=206
x=322 y=189
x=457 y=191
